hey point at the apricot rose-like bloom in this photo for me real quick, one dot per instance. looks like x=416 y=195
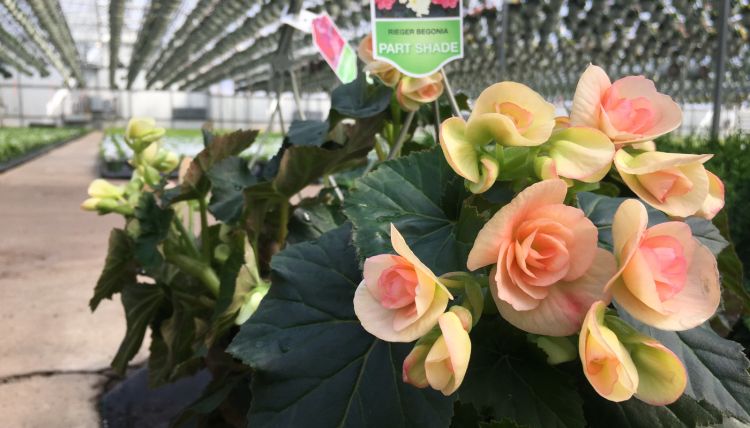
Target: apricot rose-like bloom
x=412 y=92
x=467 y=159
x=715 y=200
x=666 y=278
x=446 y=363
x=675 y=183
x=606 y=363
x=384 y=71
x=549 y=269
x=662 y=377
x=399 y=299
x=511 y=114
x=630 y=110
x=620 y=362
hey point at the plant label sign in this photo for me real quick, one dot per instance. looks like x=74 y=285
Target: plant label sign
x=334 y=48
x=418 y=37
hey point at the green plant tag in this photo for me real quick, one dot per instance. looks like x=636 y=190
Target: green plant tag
x=418 y=37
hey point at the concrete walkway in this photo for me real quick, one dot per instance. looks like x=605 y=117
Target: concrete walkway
x=54 y=353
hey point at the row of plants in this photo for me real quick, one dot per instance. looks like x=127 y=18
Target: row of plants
x=520 y=270
x=114 y=153
x=17 y=142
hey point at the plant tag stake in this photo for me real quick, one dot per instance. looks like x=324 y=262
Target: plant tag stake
x=418 y=37
x=335 y=49
x=301 y=21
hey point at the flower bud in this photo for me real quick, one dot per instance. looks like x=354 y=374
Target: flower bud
x=414 y=369
x=90 y=204
x=170 y=162
x=141 y=132
x=662 y=377
x=544 y=167
x=606 y=363
x=448 y=359
x=489 y=169
x=558 y=349
x=104 y=190
x=149 y=174
x=715 y=200
x=646 y=368
x=222 y=252
x=412 y=92
x=252 y=301
x=464 y=315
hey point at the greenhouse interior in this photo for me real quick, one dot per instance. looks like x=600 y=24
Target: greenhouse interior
x=375 y=213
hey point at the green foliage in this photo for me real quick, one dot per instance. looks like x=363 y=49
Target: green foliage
x=312 y=218
x=314 y=365
x=684 y=413
x=141 y=302
x=509 y=378
x=360 y=100
x=717 y=367
x=424 y=199
x=119 y=268
x=151 y=228
x=16 y=142
x=222 y=147
x=228 y=179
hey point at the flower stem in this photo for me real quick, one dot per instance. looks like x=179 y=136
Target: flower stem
x=198 y=269
x=205 y=237
x=187 y=238
x=396 y=149
x=283 y=220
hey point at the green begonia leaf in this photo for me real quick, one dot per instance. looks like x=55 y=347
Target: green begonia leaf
x=509 y=378
x=423 y=198
x=684 y=413
x=119 y=268
x=141 y=302
x=717 y=367
x=314 y=365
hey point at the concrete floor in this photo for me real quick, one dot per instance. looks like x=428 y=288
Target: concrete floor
x=54 y=352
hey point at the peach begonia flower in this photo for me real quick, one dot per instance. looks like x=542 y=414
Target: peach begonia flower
x=467 y=160
x=675 y=183
x=548 y=266
x=606 y=363
x=715 y=200
x=630 y=110
x=511 y=114
x=620 y=362
x=508 y=113
x=412 y=92
x=662 y=377
x=580 y=153
x=442 y=364
x=446 y=364
x=666 y=278
x=384 y=71
x=399 y=299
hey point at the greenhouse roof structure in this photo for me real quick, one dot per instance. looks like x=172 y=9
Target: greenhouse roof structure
x=193 y=44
